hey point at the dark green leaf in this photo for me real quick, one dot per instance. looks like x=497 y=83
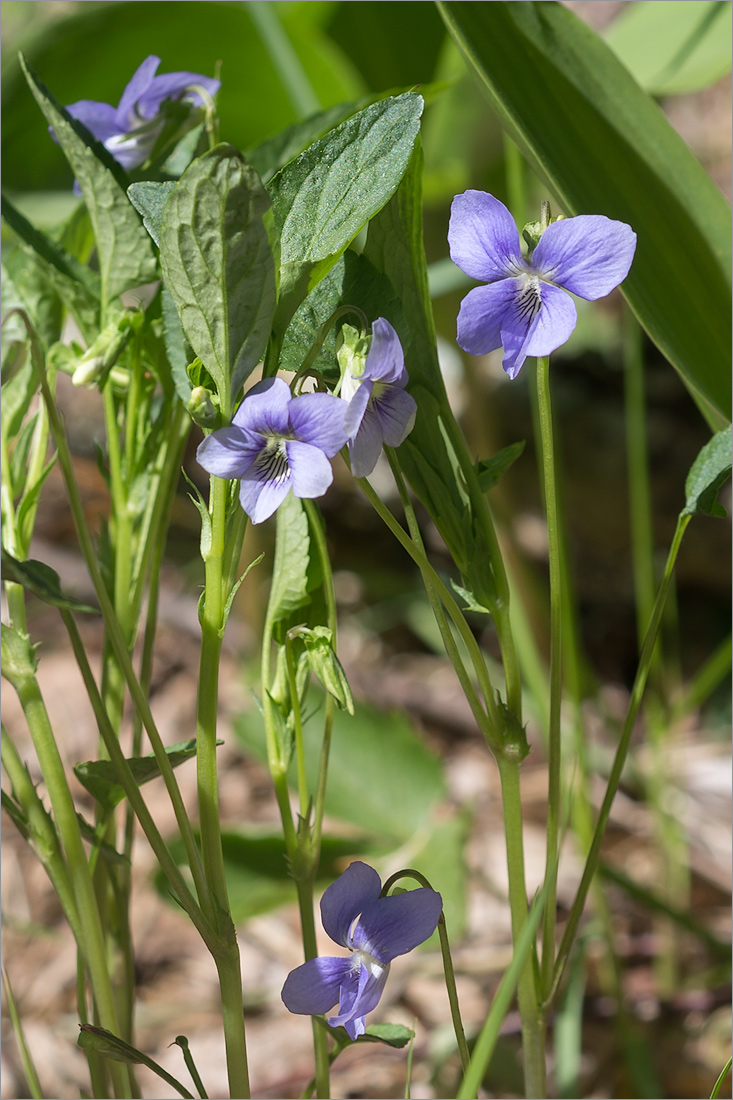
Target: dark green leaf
x=322 y=199
x=489 y=470
x=125 y=254
x=149 y=199
x=602 y=146
x=394 y=1035
x=41 y=580
x=709 y=471
x=100 y=778
x=218 y=264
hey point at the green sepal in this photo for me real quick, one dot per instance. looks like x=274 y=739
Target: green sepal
x=19 y=661
x=325 y=665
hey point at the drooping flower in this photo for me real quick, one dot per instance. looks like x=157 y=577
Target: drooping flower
x=379 y=410
x=277 y=442
x=130 y=130
x=386 y=927
x=524 y=309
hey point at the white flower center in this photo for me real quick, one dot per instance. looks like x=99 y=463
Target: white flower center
x=273 y=459
x=529 y=299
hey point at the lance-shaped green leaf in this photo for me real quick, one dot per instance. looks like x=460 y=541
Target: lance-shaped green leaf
x=41 y=580
x=218 y=265
x=603 y=146
x=289 y=589
x=322 y=199
x=126 y=257
x=709 y=471
x=101 y=780
x=108 y=1045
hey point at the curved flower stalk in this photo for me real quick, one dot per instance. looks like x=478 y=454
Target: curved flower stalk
x=386 y=927
x=524 y=309
x=277 y=442
x=379 y=410
x=130 y=130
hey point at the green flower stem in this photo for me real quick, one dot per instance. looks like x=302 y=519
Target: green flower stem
x=92 y=944
x=116 y=638
x=42 y=835
x=275 y=763
x=619 y=761
x=212 y=629
x=29 y=1068
x=213 y=621
x=113 y=682
x=320 y=1038
x=532 y=1016
x=554 y=747
x=132 y=790
x=35 y=472
x=502 y=621
x=448 y=971
x=303 y=796
x=637 y=464
x=319 y=536
x=492 y=726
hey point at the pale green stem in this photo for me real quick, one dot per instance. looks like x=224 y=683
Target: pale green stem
x=495 y=724
x=614 y=779
x=227 y=958
x=554 y=747
x=115 y=635
x=29 y=1068
x=532 y=1016
x=93 y=941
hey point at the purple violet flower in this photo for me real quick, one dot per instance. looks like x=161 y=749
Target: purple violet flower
x=386 y=927
x=277 y=442
x=379 y=410
x=130 y=130
x=525 y=309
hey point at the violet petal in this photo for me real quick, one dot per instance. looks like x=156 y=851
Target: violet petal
x=484 y=241
x=386 y=359
x=346 y=897
x=358 y=995
x=261 y=494
x=265 y=408
x=226 y=453
x=393 y=925
x=318 y=418
x=589 y=254
x=138 y=85
x=366 y=447
x=313 y=988
x=396 y=410
x=481 y=316
x=310 y=470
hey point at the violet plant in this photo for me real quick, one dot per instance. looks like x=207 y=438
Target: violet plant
x=250 y=280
